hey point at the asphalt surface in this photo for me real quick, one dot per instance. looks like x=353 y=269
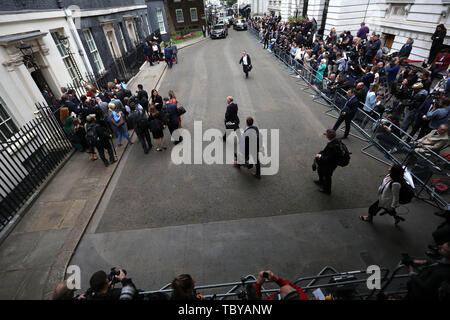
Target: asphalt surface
x=217 y=222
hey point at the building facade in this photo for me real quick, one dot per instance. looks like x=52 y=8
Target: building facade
x=394 y=20
x=46 y=45
x=185 y=14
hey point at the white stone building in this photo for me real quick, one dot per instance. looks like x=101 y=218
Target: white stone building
x=394 y=20
x=21 y=84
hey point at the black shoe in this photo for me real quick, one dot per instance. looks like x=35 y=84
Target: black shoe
x=344 y=137
x=112 y=161
x=106 y=163
x=324 y=191
x=146 y=151
x=318 y=182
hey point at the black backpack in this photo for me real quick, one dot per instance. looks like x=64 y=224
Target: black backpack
x=91 y=134
x=343 y=158
x=406 y=193
x=142 y=124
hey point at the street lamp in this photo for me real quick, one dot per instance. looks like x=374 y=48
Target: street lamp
x=27 y=54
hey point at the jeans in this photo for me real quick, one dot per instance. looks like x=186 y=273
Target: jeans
x=122 y=131
x=408 y=120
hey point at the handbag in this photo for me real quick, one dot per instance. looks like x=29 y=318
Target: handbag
x=250 y=67
x=230 y=125
x=120 y=122
x=181 y=110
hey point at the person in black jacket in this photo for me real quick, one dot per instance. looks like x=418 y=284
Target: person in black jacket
x=142 y=97
x=101 y=286
x=405 y=51
x=170 y=110
x=139 y=121
x=102 y=137
x=348 y=112
x=157 y=100
x=325 y=161
x=426 y=284
x=231 y=116
x=183 y=289
x=438 y=40
x=246 y=63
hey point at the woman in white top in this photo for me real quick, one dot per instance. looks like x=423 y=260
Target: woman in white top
x=388 y=195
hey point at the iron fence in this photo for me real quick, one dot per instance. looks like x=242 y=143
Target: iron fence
x=27 y=158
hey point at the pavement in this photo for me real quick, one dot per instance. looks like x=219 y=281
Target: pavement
x=157 y=219
x=35 y=255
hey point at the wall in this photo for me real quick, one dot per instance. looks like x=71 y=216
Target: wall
x=152 y=6
x=185 y=5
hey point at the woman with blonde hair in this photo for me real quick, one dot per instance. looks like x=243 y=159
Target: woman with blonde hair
x=118 y=124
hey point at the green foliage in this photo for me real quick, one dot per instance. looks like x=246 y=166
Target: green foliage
x=185 y=31
x=231 y=2
x=296 y=20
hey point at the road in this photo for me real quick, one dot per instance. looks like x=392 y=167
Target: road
x=219 y=223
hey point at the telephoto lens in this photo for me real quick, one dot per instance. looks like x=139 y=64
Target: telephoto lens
x=128 y=292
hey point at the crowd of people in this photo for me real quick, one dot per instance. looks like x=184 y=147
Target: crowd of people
x=154 y=53
x=92 y=120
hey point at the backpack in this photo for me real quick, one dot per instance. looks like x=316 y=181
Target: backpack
x=406 y=193
x=142 y=124
x=343 y=158
x=91 y=134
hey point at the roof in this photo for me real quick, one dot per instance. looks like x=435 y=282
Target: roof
x=16 y=37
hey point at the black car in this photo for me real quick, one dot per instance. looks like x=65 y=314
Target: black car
x=219 y=31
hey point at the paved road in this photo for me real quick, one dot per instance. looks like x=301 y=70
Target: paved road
x=219 y=223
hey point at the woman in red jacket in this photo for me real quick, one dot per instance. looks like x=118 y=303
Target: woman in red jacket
x=288 y=290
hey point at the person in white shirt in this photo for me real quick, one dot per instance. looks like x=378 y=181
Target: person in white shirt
x=246 y=63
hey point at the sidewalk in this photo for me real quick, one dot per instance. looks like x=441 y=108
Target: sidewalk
x=34 y=257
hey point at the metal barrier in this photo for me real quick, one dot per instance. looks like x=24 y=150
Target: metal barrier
x=27 y=159
x=328 y=280
x=429 y=169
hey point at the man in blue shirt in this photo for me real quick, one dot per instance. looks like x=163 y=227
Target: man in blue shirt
x=392 y=70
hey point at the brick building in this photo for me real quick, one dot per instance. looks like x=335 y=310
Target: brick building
x=183 y=14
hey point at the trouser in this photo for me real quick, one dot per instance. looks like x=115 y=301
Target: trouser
x=122 y=131
x=169 y=61
x=266 y=43
x=150 y=60
x=408 y=120
x=101 y=151
x=325 y=177
x=245 y=67
x=145 y=140
x=374 y=209
x=175 y=56
x=348 y=123
x=422 y=126
x=172 y=128
x=387 y=141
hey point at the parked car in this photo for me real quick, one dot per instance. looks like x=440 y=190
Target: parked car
x=219 y=31
x=240 y=24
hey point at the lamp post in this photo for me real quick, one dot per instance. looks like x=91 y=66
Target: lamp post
x=64 y=40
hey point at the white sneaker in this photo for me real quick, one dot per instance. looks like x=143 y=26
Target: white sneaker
x=298 y=76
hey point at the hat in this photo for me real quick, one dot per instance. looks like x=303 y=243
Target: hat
x=418 y=85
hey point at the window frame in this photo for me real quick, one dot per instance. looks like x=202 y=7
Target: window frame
x=6 y=122
x=182 y=14
x=159 y=10
x=196 y=14
x=93 y=50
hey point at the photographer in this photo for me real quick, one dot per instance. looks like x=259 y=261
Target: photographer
x=288 y=290
x=102 y=286
x=425 y=284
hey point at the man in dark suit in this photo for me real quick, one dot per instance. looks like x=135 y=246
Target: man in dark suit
x=231 y=116
x=348 y=112
x=405 y=51
x=142 y=97
x=170 y=110
x=246 y=63
x=325 y=161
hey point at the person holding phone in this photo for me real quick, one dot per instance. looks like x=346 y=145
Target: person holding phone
x=288 y=290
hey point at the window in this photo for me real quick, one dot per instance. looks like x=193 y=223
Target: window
x=162 y=26
x=147 y=23
x=180 y=17
x=67 y=59
x=132 y=32
x=7 y=126
x=93 y=50
x=122 y=38
x=194 y=16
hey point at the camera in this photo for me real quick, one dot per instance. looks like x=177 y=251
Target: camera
x=112 y=275
x=407 y=260
x=265 y=275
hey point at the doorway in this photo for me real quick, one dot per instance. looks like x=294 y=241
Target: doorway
x=388 y=40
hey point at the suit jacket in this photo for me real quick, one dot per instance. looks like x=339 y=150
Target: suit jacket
x=351 y=106
x=231 y=115
x=249 y=61
x=434 y=142
x=405 y=50
x=171 y=110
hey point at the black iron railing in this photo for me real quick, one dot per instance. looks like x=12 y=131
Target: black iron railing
x=28 y=158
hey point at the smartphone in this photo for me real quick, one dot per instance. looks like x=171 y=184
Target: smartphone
x=266 y=275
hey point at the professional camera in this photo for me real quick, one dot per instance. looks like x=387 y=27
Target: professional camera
x=407 y=260
x=112 y=275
